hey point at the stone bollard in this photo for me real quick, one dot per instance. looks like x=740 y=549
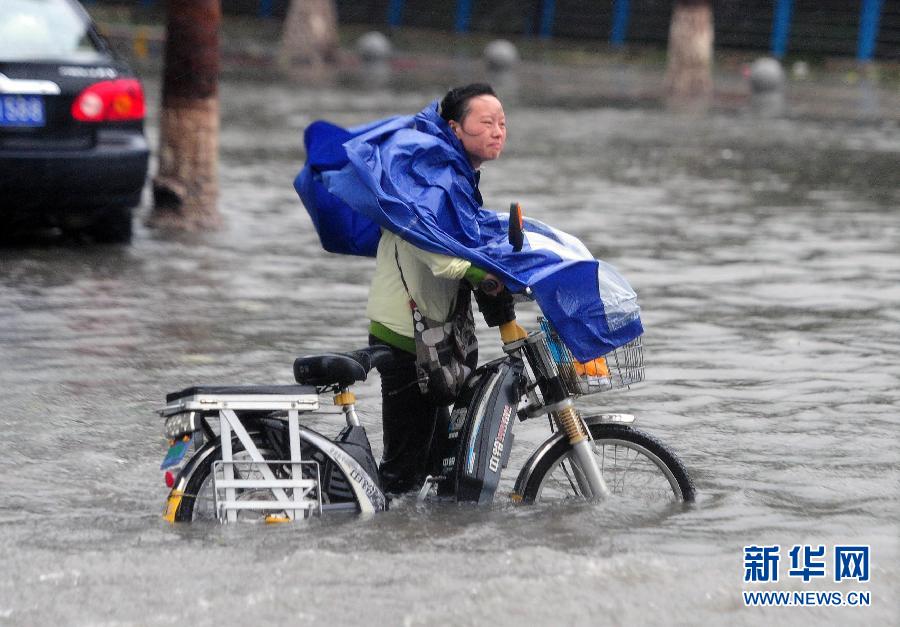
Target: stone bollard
x=501 y=55
x=375 y=50
x=766 y=75
x=800 y=70
x=374 y=47
x=767 y=84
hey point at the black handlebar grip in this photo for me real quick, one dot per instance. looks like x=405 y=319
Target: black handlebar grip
x=496 y=309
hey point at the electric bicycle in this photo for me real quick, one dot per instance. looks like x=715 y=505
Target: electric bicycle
x=244 y=452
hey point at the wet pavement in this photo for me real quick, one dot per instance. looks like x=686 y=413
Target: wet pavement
x=765 y=255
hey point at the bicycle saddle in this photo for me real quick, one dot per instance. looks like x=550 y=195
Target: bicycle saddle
x=340 y=369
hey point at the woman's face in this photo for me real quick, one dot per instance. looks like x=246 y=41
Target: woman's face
x=482 y=130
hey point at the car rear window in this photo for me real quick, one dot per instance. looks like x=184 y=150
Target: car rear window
x=34 y=30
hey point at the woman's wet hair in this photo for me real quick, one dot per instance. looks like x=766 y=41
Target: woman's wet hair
x=455 y=104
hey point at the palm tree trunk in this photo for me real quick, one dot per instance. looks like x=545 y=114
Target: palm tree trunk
x=185 y=191
x=689 y=73
x=309 y=39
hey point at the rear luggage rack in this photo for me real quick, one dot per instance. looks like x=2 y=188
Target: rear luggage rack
x=276 y=487
x=289 y=496
x=243 y=397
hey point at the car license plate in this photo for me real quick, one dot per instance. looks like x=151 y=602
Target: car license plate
x=176 y=453
x=18 y=110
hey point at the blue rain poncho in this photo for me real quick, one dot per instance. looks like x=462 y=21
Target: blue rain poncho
x=410 y=175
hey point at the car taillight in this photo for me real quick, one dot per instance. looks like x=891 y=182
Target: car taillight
x=110 y=101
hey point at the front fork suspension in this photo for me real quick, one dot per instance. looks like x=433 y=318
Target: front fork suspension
x=590 y=480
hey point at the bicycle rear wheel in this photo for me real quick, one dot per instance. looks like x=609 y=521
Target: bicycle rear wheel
x=198 y=503
x=635 y=465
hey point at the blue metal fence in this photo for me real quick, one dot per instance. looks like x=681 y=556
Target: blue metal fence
x=868 y=29
x=619 y=33
x=796 y=26
x=395 y=13
x=548 y=13
x=781 y=27
x=463 y=15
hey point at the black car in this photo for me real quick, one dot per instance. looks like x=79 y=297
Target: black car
x=72 y=149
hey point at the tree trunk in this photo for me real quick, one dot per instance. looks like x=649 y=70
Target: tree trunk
x=309 y=39
x=689 y=74
x=185 y=191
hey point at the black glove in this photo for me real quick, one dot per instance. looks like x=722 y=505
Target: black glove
x=498 y=309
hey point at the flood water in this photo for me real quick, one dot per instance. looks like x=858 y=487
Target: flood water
x=766 y=255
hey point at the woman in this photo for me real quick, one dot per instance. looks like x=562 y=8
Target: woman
x=404 y=272
x=396 y=188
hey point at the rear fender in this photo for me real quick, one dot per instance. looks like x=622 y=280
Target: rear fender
x=365 y=488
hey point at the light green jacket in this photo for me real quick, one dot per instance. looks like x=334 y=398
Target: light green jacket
x=432 y=279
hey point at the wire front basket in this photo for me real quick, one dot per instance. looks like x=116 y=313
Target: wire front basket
x=617 y=369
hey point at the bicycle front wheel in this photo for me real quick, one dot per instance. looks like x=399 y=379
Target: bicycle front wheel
x=635 y=466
